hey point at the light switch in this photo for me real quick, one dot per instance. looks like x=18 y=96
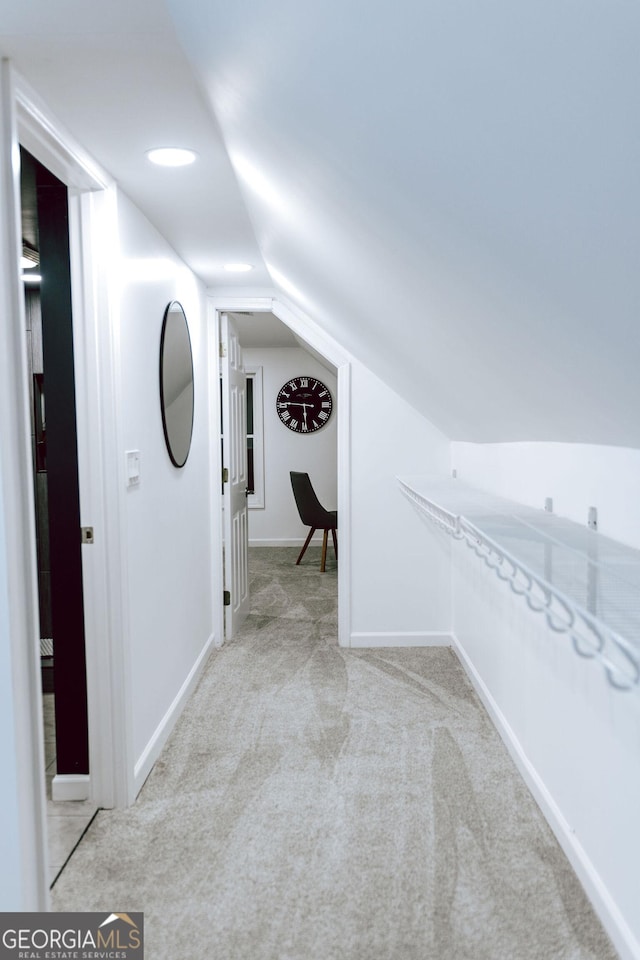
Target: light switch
x=133 y=468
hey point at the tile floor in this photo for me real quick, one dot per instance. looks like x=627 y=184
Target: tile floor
x=68 y=820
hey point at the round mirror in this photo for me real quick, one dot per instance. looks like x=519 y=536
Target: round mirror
x=176 y=383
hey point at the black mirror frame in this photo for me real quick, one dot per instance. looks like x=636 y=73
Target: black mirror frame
x=174 y=461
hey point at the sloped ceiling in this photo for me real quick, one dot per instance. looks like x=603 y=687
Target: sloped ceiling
x=256 y=330
x=449 y=187
x=115 y=76
x=259 y=330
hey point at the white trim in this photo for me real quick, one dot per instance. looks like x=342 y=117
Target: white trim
x=215 y=472
x=255 y=501
x=92 y=238
x=99 y=613
x=408 y=638
x=311 y=333
x=217 y=305
x=291 y=542
x=17 y=505
x=49 y=142
x=233 y=300
x=71 y=786
x=614 y=923
x=162 y=732
x=115 y=678
x=344 y=504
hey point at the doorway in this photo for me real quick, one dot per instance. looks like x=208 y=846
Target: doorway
x=272 y=355
x=55 y=456
x=91 y=229
x=46 y=275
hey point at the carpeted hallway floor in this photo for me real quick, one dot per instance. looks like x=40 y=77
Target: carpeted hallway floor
x=324 y=804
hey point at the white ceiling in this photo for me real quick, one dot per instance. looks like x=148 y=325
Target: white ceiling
x=115 y=76
x=263 y=330
x=449 y=189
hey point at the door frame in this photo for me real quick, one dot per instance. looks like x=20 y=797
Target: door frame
x=18 y=542
x=315 y=338
x=92 y=248
x=234 y=429
x=93 y=243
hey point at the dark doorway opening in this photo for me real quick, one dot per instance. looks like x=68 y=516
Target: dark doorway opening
x=45 y=228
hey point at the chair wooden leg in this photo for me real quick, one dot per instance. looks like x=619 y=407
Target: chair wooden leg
x=306 y=544
x=335 y=543
x=324 y=551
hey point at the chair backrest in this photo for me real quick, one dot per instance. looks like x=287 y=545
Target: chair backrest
x=311 y=511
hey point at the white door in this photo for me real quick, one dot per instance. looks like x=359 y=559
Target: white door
x=234 y=439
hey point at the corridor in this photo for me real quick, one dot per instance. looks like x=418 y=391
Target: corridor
x=317 y=803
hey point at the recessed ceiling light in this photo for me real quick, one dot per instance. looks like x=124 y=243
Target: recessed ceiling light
x=31 y=278
x=171 y=156
x=238 y=267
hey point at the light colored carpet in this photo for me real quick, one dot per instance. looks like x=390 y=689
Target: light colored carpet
x=322 y=804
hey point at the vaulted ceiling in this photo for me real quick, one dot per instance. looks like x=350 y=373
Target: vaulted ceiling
x=448 y=187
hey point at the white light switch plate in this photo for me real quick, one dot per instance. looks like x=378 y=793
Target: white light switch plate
x=133 y=467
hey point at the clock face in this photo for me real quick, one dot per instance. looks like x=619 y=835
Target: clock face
x=304 y=404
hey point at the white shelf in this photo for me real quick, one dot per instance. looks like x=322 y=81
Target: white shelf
x=585 y=584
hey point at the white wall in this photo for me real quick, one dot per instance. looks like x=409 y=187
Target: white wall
x=167 y=516
x=400 y=585
x=575 y=737
x=577 y=476
x=389 y=602
x=316 y=453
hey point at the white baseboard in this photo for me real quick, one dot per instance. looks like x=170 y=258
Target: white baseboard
x=407 y=639
x=162 y=732
x=71 y=786
x=316 y=541
x=612 y=920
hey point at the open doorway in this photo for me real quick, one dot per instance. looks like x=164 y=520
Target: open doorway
x=274 y=356
x=50 y=361
x=90 y=212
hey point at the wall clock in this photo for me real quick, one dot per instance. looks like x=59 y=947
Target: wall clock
x=304 y=404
